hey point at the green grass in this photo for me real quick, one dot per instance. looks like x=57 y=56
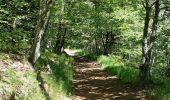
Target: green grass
x=55 y=88
x=59 y=81
x=128 y=72
x=22 y=84
x=18 y=85
x=114 y=65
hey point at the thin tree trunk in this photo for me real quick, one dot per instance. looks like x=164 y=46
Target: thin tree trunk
x=96 y=45
x=168 y=66
x=129 y=55
x=61 y=31
x=60 y=43
x=59 y=35
x=106 y=43
x=109 y=40
x=154 y=30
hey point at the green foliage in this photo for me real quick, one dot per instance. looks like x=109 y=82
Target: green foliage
x=161 y=92
x=17 y=19
x=88 y=55
x=116 y=66
x=15 y=43
x=92 y=57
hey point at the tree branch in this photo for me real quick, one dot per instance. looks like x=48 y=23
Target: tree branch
x=153 y=3
x=144 y=5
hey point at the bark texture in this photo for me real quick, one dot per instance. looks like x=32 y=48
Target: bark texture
x=40 y=29
x=148 y=39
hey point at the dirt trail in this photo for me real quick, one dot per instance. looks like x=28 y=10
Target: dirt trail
x=92 y=83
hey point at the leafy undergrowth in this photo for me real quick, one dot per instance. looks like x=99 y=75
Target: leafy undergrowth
x=161 y=90
x=89 y=56
x=114 y=65
x=59 y=86
x=18 y=80
x=162 y=82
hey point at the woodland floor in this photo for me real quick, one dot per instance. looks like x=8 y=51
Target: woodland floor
x=92 y=83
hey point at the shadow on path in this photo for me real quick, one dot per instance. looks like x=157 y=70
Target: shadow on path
x=92 y=83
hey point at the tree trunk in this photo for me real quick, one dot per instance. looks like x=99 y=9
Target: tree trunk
x=148 y=41
x=60 y=42
x=129 y=53
x=154 y=30
x=61 y=31
x=168 y=66
x=59 y=35
x=96 y=45
x=109 y=40
x=41 y=26
x=144 y=66
x=106 y=44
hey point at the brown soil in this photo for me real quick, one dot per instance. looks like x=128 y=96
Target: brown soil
x=92 y=83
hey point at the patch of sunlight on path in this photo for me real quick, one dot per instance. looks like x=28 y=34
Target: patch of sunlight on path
x=92 y=83
x=72 y=52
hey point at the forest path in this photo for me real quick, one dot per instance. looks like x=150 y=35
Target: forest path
x=92 y=83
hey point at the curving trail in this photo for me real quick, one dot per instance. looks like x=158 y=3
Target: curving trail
x=92 y=83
